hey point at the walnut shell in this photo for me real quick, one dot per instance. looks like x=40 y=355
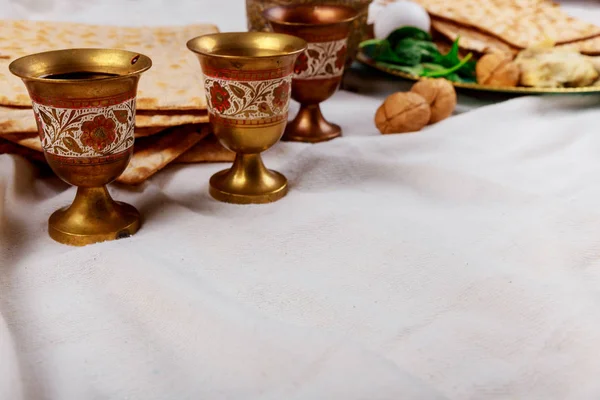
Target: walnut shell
x=402 y=112
x=497 y=69
x=439 y=94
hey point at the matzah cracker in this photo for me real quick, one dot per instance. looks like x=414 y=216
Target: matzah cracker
x=207 y=150
x=150 y=121
x=30 y=140
x=481 y=42
x=7 y=147
x=173 y=83
x=143 y=120
x=590 y=47
x=521 y=23
x=152 y=154
x=22 y=120
x=143 y=132
x=472 y=39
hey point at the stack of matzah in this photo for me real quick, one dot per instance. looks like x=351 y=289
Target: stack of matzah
x=508 y=25
x=171 y=120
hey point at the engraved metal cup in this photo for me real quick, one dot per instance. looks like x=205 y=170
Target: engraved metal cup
x=359 y=31
x=318 y=71
x=247 y=80
x=84 y=105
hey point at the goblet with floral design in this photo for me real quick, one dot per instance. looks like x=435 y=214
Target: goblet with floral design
x=247 y=80
x=358 y=32
x=318 y=71
x=84 y=105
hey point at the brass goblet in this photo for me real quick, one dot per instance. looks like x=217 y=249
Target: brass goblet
x=318 y=71
x=358 y=32
x=247 y=80
x=84 y=105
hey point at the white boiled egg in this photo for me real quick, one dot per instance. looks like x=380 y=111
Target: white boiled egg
x=397 y=15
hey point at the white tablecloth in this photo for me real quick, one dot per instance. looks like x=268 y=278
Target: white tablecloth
x=460 y=262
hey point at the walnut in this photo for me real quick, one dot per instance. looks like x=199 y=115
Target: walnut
x=402 y=112
x=497 y=69
x=440 y=95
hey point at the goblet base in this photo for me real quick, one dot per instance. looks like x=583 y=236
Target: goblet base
x=310 y=126
x=248 y=181
x=93 y=217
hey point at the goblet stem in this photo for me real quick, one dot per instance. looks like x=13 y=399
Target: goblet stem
x=249 y=167
x=94 y=202
x=93 y=217
x=309 y=125
x=248 y=181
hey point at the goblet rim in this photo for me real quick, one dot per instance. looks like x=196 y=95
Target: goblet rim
x=352 y=11
x=297 y=44
x=20 y=66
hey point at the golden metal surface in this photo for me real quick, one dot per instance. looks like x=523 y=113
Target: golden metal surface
x=363 y=58
x=318 y=72
x=310 y=126
x=247 y=81
x=93 y=217
x=76 y=87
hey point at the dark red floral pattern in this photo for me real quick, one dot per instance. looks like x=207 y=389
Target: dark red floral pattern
x=264 y=107
x=98 y=133
x=281 y=94
x=219 y=98
x=301 y=64
x=340 y=57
